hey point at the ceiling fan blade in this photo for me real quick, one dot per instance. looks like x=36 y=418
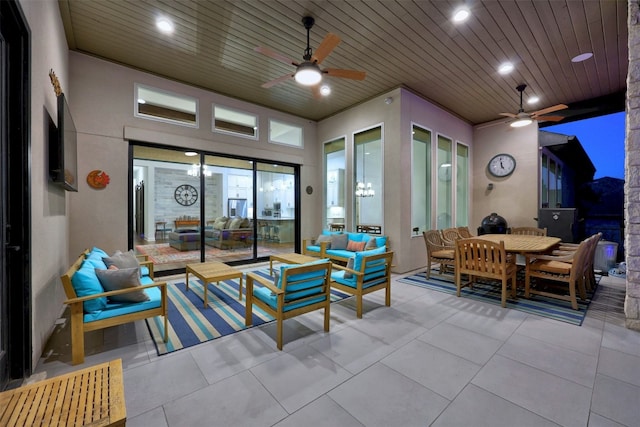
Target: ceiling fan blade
x=549 y=110
x=328 y=44
x=508 y=115
x=274 y=82
x=275 y=55
x=549 y=118
x=345 y=74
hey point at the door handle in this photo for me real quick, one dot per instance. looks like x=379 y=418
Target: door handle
x=12 y=248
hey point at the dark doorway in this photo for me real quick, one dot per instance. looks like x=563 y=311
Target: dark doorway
x=15 y=214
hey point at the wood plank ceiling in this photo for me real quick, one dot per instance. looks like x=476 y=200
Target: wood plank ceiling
x=413 y=44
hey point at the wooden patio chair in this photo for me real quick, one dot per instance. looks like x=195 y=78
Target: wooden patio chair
x=529 y=231
x=369 y=273
x=450 y=236
x=438 y=252
x=483 y=258
x=589 y=269
x=299 y=289
x=566 y=269
x=465 y=233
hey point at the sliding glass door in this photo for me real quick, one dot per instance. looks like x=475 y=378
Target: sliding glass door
x=189 y=207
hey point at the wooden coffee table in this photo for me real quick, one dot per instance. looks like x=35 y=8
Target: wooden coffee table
x=290 y=258
x=213 y=271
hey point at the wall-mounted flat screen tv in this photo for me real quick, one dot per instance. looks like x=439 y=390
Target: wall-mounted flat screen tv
x=63 y=149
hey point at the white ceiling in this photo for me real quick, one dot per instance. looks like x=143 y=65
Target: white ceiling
x=406 y=43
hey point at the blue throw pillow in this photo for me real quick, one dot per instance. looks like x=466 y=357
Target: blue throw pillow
x=85 y=282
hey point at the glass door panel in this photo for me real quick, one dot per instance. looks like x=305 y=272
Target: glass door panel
x=166 y=207
x=335 y=163
x=275 y=208
x=368 y=178
x=229 y=228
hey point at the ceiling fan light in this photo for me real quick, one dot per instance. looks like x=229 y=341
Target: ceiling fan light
x=308 y=74
x=521 y=123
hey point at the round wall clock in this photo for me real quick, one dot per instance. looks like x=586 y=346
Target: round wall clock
x=502 y=165
x=186 y=194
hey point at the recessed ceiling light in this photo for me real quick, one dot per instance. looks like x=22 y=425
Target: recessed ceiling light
x=325 y=90
x=164 y=25
x=582 y=57
x=505 y=68
x=141 y=101
x=461 y=14
x=533 y=100
x=190 y=153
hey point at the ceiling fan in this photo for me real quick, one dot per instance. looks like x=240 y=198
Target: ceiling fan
x=308 y=72
x=524 y=119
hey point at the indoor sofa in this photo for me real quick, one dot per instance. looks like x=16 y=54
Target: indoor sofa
x=341 y=246
x=229 y=233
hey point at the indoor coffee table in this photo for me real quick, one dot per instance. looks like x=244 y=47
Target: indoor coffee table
x=213 y=271
x=290 y=258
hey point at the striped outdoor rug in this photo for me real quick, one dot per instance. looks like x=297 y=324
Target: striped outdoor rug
x=190 y=323
x=538 y=304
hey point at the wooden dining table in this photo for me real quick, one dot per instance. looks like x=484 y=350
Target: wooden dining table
x=520 y=243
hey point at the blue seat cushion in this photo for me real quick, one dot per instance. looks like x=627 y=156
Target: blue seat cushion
x=265 y=295
x=144 y=270
x=85 y=282
x=313 y=248
x=146 y=280
x=120 y=308
x=371 y=278
x=342 y=253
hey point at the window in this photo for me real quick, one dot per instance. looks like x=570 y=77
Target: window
x=164 y=106
x=283 y=133
x=462 y=185
x=368 y=177
x=226 y=120
x=335 y=162
x=421 y=180
x=444 y=189
x=550 y=181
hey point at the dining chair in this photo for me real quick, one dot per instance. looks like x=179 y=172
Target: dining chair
x=529 y=231
x=484 y=258
x=450 y=235
x=438 y=252
x=589 y=273
x=464 y=232
x=568 y=269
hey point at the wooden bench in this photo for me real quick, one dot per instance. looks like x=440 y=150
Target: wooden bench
x=88 y=397
x=75 y=303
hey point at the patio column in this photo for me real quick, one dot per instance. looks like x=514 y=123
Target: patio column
x=632 y=172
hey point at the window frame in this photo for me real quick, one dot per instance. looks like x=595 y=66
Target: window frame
x=214 y=129
x=162 y=92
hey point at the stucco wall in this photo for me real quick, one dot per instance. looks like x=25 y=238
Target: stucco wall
x=102 y=102
x=514 y=197
x=49 y=203
x=406 y=108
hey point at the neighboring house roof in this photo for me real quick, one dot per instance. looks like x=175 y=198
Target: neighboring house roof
x=570 y=151
x=603 y=197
